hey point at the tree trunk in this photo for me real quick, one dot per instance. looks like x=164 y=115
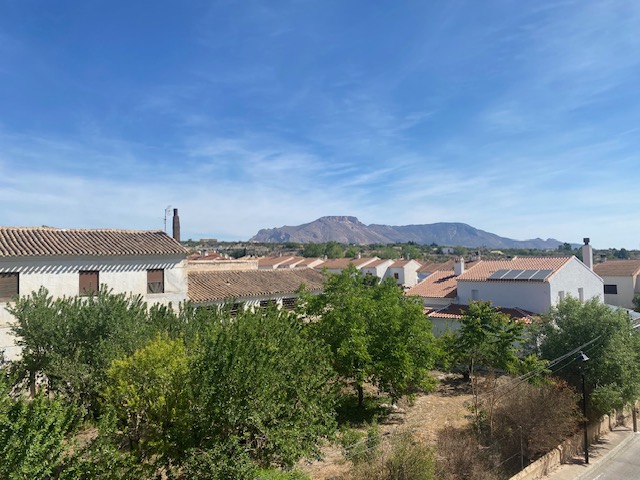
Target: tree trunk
x=360 y=396
x=32 y=383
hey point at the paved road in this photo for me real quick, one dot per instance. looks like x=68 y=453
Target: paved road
x=623 y=464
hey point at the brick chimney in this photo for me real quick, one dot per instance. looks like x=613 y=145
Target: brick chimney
x=176 y=225
x=587 y=254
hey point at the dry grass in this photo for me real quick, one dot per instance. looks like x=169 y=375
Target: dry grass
x=424 y=417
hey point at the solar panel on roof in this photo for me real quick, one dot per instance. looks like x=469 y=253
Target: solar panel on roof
x=512 y=274
x=540 y=275
x=498 y=274
x=527 y=274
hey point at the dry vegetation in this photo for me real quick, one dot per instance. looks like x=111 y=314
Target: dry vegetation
x=423 y=417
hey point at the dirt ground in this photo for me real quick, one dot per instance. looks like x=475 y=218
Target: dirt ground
x=427 y=414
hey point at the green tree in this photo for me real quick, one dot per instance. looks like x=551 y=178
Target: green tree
x=333 y=250
x=487 y=339
x=72 y=341
x=262 y=382
x=148 y=391
x=313 y=250
x=612 y=373
x=490 y=340
x=376 y=333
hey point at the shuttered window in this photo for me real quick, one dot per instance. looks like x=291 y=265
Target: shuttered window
x=155 y=280
x=264 y=304
x=289 y=303
x=9 y=286
x=89 y=282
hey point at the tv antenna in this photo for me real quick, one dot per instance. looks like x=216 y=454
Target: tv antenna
x=167 y=212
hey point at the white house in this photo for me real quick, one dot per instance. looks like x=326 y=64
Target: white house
x=69 y=262
x=376 y=268
x=620 y=281
x=336 y=265
x=534 y=284
x=405 y=272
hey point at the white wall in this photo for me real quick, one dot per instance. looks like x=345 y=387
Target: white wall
x=626 y=291
x=532 y=296
x=573 y=277
x=60 y=276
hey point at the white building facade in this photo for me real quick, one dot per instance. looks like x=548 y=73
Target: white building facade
x=534 y=284
x=78 y=262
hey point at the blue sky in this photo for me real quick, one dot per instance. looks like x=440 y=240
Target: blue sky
x=519 y=118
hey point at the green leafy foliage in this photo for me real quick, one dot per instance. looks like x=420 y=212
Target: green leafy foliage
x=33 y=434
x=148 y=391
x=613 y=372
x=72 y=341
x=261 y=380
x=375 y=332
x=487 y=339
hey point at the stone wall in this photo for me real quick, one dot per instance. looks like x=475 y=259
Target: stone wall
x=572 y=447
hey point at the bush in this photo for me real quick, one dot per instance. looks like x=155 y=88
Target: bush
x=33 y=435
x=221 y=461
x=460 y=455
x=359 y=447
x=148 y=393
x=406 y=460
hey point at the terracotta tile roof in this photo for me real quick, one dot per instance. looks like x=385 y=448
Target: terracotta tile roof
x=399 y=263
x=216 y=286
x=456 y=312
x=376 y=263
x=271 y=261
x=435 y=266
x=441 y=284
x=291 y=261
x=309 y=261
x=46 y=242
x=344 y=262
x=484 y=268
x=617 y=268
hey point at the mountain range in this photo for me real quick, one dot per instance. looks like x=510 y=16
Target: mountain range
x=349 y=230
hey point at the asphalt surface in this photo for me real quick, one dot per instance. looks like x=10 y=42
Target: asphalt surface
x=614 y=456
x=622 y=463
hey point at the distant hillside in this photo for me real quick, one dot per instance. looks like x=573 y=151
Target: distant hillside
x=344 y=229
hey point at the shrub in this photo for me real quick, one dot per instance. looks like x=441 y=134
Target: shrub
x=406 y=459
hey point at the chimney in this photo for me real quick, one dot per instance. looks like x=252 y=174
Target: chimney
x=176 y=225
x=587 y=254
x=458 y=266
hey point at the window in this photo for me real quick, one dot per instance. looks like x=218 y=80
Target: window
x=264 y=304
x=396 y=276
x=561 y=294
x=155 y=280
x=289 y=303
x=9 y=286
x=581 y=294
x=611 y=289
x=235 y=308
x=475 y=296
x=89 y=282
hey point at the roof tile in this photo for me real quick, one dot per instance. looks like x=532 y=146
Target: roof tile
x=215 y=286
x=617 y=268
x=46 y=242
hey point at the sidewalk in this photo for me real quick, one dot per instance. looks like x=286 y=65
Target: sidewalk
x=598 y=451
